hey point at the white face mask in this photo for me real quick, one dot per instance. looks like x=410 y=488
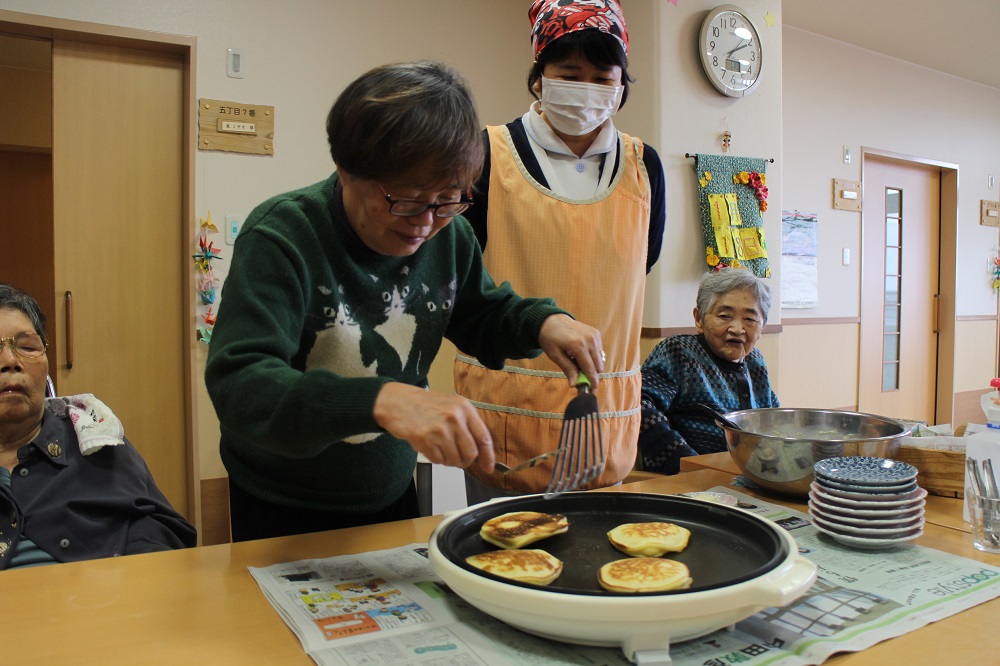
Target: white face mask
x=576 y=108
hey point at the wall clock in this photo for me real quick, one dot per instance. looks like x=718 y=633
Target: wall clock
x=730 y=51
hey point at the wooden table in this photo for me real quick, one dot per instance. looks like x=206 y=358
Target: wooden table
x=938 y=510
x=202 y=606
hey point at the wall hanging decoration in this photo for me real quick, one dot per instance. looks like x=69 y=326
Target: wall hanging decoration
x=206 y=281
x=996 y=272
x=727 y=137
x=206 y=288
x=206 y=252
x=206 y=223
x=732 y=197
x=799 y=250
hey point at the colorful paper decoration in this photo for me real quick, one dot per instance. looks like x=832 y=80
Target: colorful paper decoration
x=206 y=289
x=732 y=195
x=207 y=252
x=206 y=223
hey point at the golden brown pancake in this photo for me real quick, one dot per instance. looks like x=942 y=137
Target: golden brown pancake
x=649 y=539
x=518 y=529
x=644 y=574
x=527 y=566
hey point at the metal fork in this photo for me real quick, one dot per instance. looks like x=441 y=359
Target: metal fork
x=581 y=441
x=527 y=464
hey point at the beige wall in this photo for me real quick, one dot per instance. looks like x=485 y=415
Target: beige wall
x=689 y=116
x=886 y=104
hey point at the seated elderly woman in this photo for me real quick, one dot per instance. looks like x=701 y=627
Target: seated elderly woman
x=719 y=367
x=72 y=486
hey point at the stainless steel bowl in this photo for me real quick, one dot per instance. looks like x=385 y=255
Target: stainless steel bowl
x=777 y=448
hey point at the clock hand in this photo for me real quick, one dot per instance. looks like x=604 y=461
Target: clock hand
x=742 y=46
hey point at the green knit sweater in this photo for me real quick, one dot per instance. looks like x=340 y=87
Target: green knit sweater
x=312 y=323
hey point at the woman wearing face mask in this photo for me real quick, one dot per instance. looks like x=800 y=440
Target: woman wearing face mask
x=568 y=206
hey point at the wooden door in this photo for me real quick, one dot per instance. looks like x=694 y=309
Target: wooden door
x=900 y=259
x=119 y=243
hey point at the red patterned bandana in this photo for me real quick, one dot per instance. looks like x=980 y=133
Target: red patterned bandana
x=551 y=19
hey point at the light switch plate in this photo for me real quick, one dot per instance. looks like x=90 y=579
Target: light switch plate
x=233 y=224
x=234 y=63
x=989 y=213
x=847 y=195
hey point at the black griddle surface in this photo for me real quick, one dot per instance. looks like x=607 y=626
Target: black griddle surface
x=726 y=547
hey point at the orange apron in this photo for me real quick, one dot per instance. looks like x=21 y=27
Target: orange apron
x=590 y=256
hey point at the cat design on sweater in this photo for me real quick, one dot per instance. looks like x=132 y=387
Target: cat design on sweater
x=400 y=326
x=443 y=300
x=338 y=345
x=338 y=349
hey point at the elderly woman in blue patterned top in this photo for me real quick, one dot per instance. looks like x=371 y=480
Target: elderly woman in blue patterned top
x=719 y=366
x=71 y=486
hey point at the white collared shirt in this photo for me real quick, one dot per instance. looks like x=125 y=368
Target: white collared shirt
x=568 y=175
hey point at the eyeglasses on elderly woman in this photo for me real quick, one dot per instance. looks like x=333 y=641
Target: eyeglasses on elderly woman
x=25 y=345
x=404 y=208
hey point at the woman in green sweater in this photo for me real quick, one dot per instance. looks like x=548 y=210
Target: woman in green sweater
x=335 y=305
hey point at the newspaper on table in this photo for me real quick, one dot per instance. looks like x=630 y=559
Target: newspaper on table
x=389 y=608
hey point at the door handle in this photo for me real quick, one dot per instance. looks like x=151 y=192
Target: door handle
x=937 y=313
x=69 y=330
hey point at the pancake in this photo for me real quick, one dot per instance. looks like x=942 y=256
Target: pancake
x=527 y=566
x=520 y=528
x=644 y=574
x=649 y=539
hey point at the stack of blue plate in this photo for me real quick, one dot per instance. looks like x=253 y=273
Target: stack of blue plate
x=867 y=502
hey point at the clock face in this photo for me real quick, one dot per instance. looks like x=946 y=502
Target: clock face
x=730 y=51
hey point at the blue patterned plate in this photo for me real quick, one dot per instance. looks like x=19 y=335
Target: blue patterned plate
x=866 y=496
x=865 y=471
x=893 y=532
x=869 y=544
x=851 y=517
x=866 y=513
x=888 y=491
x=912 y=500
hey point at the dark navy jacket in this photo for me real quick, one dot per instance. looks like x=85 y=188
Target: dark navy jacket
x=78 y=507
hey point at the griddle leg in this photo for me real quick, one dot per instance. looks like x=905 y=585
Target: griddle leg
x=653 y=658
x=648 y=649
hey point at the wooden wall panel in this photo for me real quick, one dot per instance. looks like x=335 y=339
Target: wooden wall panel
x=27 y=118
x=975 y=354
x=214 y=512
x=818 y=366
x=26 y=229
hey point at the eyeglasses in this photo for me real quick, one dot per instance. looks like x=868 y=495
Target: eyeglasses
x=411 y=208
x=25 y=345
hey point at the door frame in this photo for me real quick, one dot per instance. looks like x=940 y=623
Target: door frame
x=944 y=390
x=47 y=27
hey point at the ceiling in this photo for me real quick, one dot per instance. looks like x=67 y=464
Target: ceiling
x=958 y=37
